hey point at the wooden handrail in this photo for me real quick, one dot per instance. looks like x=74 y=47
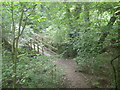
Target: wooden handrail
x=35 y=44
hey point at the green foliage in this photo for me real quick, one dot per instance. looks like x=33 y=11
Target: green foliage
x=36 y=72
x=86 y=28
x=73 y=28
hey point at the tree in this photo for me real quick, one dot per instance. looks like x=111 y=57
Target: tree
x=22 y=12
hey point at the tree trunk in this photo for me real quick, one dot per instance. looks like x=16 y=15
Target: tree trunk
x=6 y=45
x=77 y=11
x=1 y=46
x=16 y=38
x=109 y=26
x=86 y=15
x=118 y=68
x=13 y=48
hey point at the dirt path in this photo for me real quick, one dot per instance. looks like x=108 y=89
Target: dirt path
x=71 y=79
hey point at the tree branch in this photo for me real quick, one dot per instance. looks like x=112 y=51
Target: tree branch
x=20 y=23
x=21 y=32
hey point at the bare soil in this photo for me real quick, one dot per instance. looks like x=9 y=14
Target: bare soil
x=71 y=79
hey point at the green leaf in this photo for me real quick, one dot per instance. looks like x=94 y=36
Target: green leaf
x=41 y=19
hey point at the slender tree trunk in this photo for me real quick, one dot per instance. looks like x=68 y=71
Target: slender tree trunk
x=77 y=11
x=6 y=45
x=13 y=49
x=68 y=16
x=16 y=39
x=109 y=26
x=118 y=68
x=106 y=32
x=1 y=45
x=86 y=15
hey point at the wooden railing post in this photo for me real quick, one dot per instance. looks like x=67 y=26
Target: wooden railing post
x=42 y=48
x=34 y=46
x=38 y=48
x=31 y=44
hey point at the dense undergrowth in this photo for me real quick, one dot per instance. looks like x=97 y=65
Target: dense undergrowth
x=88 y=32
x=32 y=72
x=100 y=70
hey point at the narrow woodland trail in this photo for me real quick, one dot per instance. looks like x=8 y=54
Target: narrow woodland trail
x=71 y=79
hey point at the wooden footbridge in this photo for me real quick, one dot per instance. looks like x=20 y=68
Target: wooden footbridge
x=38 y=44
